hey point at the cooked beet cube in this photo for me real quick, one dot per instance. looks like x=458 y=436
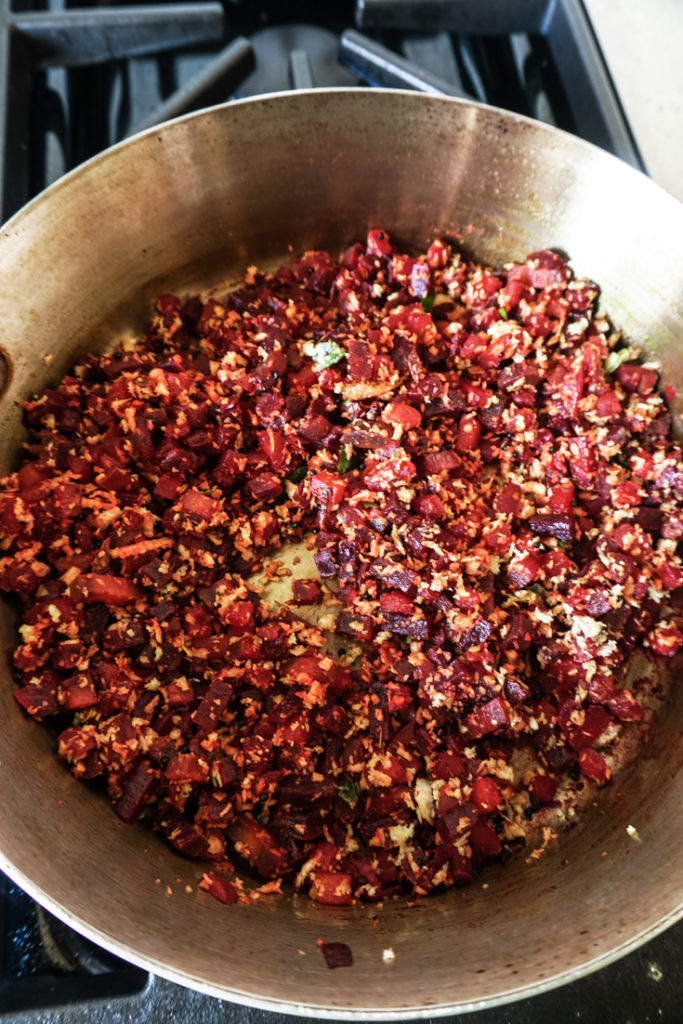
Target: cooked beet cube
x=219 y=887
x=326 y=563
x=552 y=525
x=360 y=627
x=265 y=487
x=306 y=592
x=139 y=788
x=213 y=704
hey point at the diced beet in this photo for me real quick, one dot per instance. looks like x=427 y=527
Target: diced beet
x=219 y=887
x=78 y=692
x=265 y=487
x=239 y=617
x=347 y=560
x=447 y=765
x=316 y=429
x=440 y=462
x=485 y=795
x=213 y=704
x=327 y=488
x=636 y=378
x=395 y=576
x=624 y=706
x=385 y=474
x=509 y=501
x=360 y=361
x=670 y=575
x=39 y=701
x=137 y=791
x=274 y=446
x=360 y=627
x=306 y=667
x=396 y=603
x=552 y=525
x=414 y=626
x=519 y=633
x=607 y=405
x=108 y=589
x=593 y=765
x=547 y=269
x=401 y=414
x=378 y=243
x=456 y=822
x=199 y=504
x=362 y=437
x=484 y=840
x=332 y=888
x=255 y=844
x=315 y=270
x=185 y=837
x=524 y=570
x=479 y=634
x=226 y=772
x=469 y=432
x=594 y=724
x=187 y=768
x=543 y=788
x=326 y=563
x=429 y=506
x=306 y=592
x=486 y=718
x=561 y=498
x=337 y=954
x=651 y=519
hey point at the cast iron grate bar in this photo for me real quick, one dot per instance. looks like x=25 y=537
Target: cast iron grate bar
x=558 y=33
x=379 y=66
x=31 y=41
x=214 y=82
x=436 y=52
x=44 y=963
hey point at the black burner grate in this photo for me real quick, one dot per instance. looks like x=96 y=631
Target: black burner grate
x=535 y=57
x=37 y=105
x=45 y=964
x=75 y=79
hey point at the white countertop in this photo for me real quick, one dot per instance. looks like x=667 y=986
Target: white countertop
x=642 y=41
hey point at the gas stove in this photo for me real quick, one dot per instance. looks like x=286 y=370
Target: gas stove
x=74 y=80
x=77 y=79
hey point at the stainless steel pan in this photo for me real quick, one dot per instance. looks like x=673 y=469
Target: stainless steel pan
x=194 y=202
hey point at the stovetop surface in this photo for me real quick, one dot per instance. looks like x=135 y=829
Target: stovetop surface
x=48 y=973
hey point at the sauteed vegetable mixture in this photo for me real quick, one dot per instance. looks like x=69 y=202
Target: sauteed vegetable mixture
x=484 y=471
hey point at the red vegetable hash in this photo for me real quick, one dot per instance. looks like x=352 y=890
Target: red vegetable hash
x=484 y=469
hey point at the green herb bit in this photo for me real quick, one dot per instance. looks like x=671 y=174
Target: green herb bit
x=298 y=474
x=348 y=459
x=615 y=359
x=427 y=302
x=348 y=790
x=502 y=313
x=324 y=353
